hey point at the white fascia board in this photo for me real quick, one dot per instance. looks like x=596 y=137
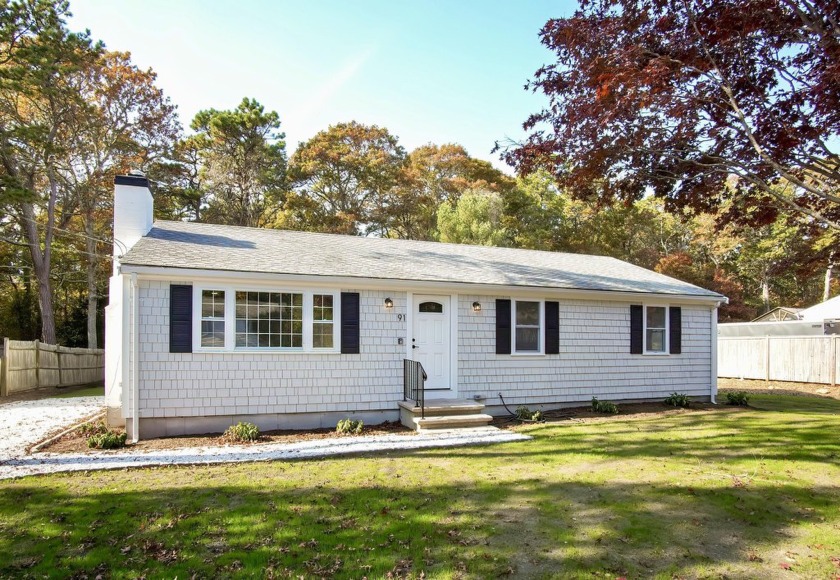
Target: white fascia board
x=420 y=287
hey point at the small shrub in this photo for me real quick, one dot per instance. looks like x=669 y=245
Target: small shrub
x=523 y=413
x=604 y=406
x=107 y=440
x=88 y=429
x=678 y=400
x=242 y=432
x=349 y=427
x=739 y=398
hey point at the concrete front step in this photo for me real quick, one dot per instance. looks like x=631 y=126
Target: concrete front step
x=452 y=421
x=444 y=414
x=446 y=406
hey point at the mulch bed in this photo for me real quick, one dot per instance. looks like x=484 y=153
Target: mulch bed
x=75 y=442
x=626 y=411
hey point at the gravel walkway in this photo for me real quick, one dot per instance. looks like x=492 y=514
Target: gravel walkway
x=24 y=423
x=55 y=462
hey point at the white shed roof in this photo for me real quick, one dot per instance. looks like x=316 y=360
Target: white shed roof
x=822 y=311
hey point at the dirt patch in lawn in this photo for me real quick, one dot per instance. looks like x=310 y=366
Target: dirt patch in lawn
x=75 y=442
x=779 y=388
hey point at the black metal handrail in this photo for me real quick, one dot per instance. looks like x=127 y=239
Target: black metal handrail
x=414 y=381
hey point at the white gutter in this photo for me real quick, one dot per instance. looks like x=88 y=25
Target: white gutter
x=714 y=354
x=159 y=273
x=135 y=365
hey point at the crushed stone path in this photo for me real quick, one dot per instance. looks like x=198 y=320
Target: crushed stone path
x=56 y=462
x=24 y=423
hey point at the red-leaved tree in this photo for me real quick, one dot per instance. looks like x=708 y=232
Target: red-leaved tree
x=678 y=97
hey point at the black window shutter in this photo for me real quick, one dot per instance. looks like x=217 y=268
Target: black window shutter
x=636 y=338
x=675 y=329
x=502 y=326
x=350 y=323
x=552 y=328
x=180 y=318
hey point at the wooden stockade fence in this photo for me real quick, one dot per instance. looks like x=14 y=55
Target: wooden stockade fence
x=28 y=365
x=802 y=359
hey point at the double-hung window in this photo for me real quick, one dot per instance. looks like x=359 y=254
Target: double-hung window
x=527 y=318
x=656 y=329
x=212 y=318
x=323 y=320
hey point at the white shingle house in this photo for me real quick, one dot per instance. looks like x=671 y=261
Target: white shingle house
x=208 y=325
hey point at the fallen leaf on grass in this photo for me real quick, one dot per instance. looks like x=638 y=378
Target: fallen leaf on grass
x=158 y=551
x=400 y=570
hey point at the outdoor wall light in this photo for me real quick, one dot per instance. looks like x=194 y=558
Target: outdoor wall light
x=389 y=303
x=476 y=307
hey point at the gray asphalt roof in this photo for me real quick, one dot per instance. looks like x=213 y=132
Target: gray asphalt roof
x=239 y=249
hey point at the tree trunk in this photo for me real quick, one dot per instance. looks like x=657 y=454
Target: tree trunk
x=45 y=301
x=827 y=284
x=765 y=294
x=93 y=298
x=41 y=259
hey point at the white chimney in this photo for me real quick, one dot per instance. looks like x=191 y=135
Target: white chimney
x=133 y=213
x=133 y=209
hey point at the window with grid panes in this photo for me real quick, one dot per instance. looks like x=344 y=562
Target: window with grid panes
x=269 y=319
x=322 y=321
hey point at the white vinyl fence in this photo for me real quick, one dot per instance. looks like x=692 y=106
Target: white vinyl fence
x=28 y=365
x=802 y=359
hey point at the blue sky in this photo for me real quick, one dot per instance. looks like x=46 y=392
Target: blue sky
x=428 y=71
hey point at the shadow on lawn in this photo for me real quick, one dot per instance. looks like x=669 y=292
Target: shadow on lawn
x=525 y=526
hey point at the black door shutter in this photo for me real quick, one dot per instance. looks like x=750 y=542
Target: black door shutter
x=180 y=318
x=350 y=323
x=675 y=329
x=552 y=328
x=502 y=326
x=636 y=338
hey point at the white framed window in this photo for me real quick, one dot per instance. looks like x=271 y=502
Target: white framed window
x=655 y=329
x=269 y=319
x=212 y=322
x=240 y=318
x=527 y=327
x=323 y=321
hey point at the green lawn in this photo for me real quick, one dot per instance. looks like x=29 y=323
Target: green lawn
x=725 y=493
x=93 y=390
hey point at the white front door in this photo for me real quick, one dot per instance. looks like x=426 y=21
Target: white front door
x=430 y=341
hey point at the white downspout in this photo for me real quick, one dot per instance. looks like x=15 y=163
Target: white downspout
x=135 y=365
x=714 y=354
